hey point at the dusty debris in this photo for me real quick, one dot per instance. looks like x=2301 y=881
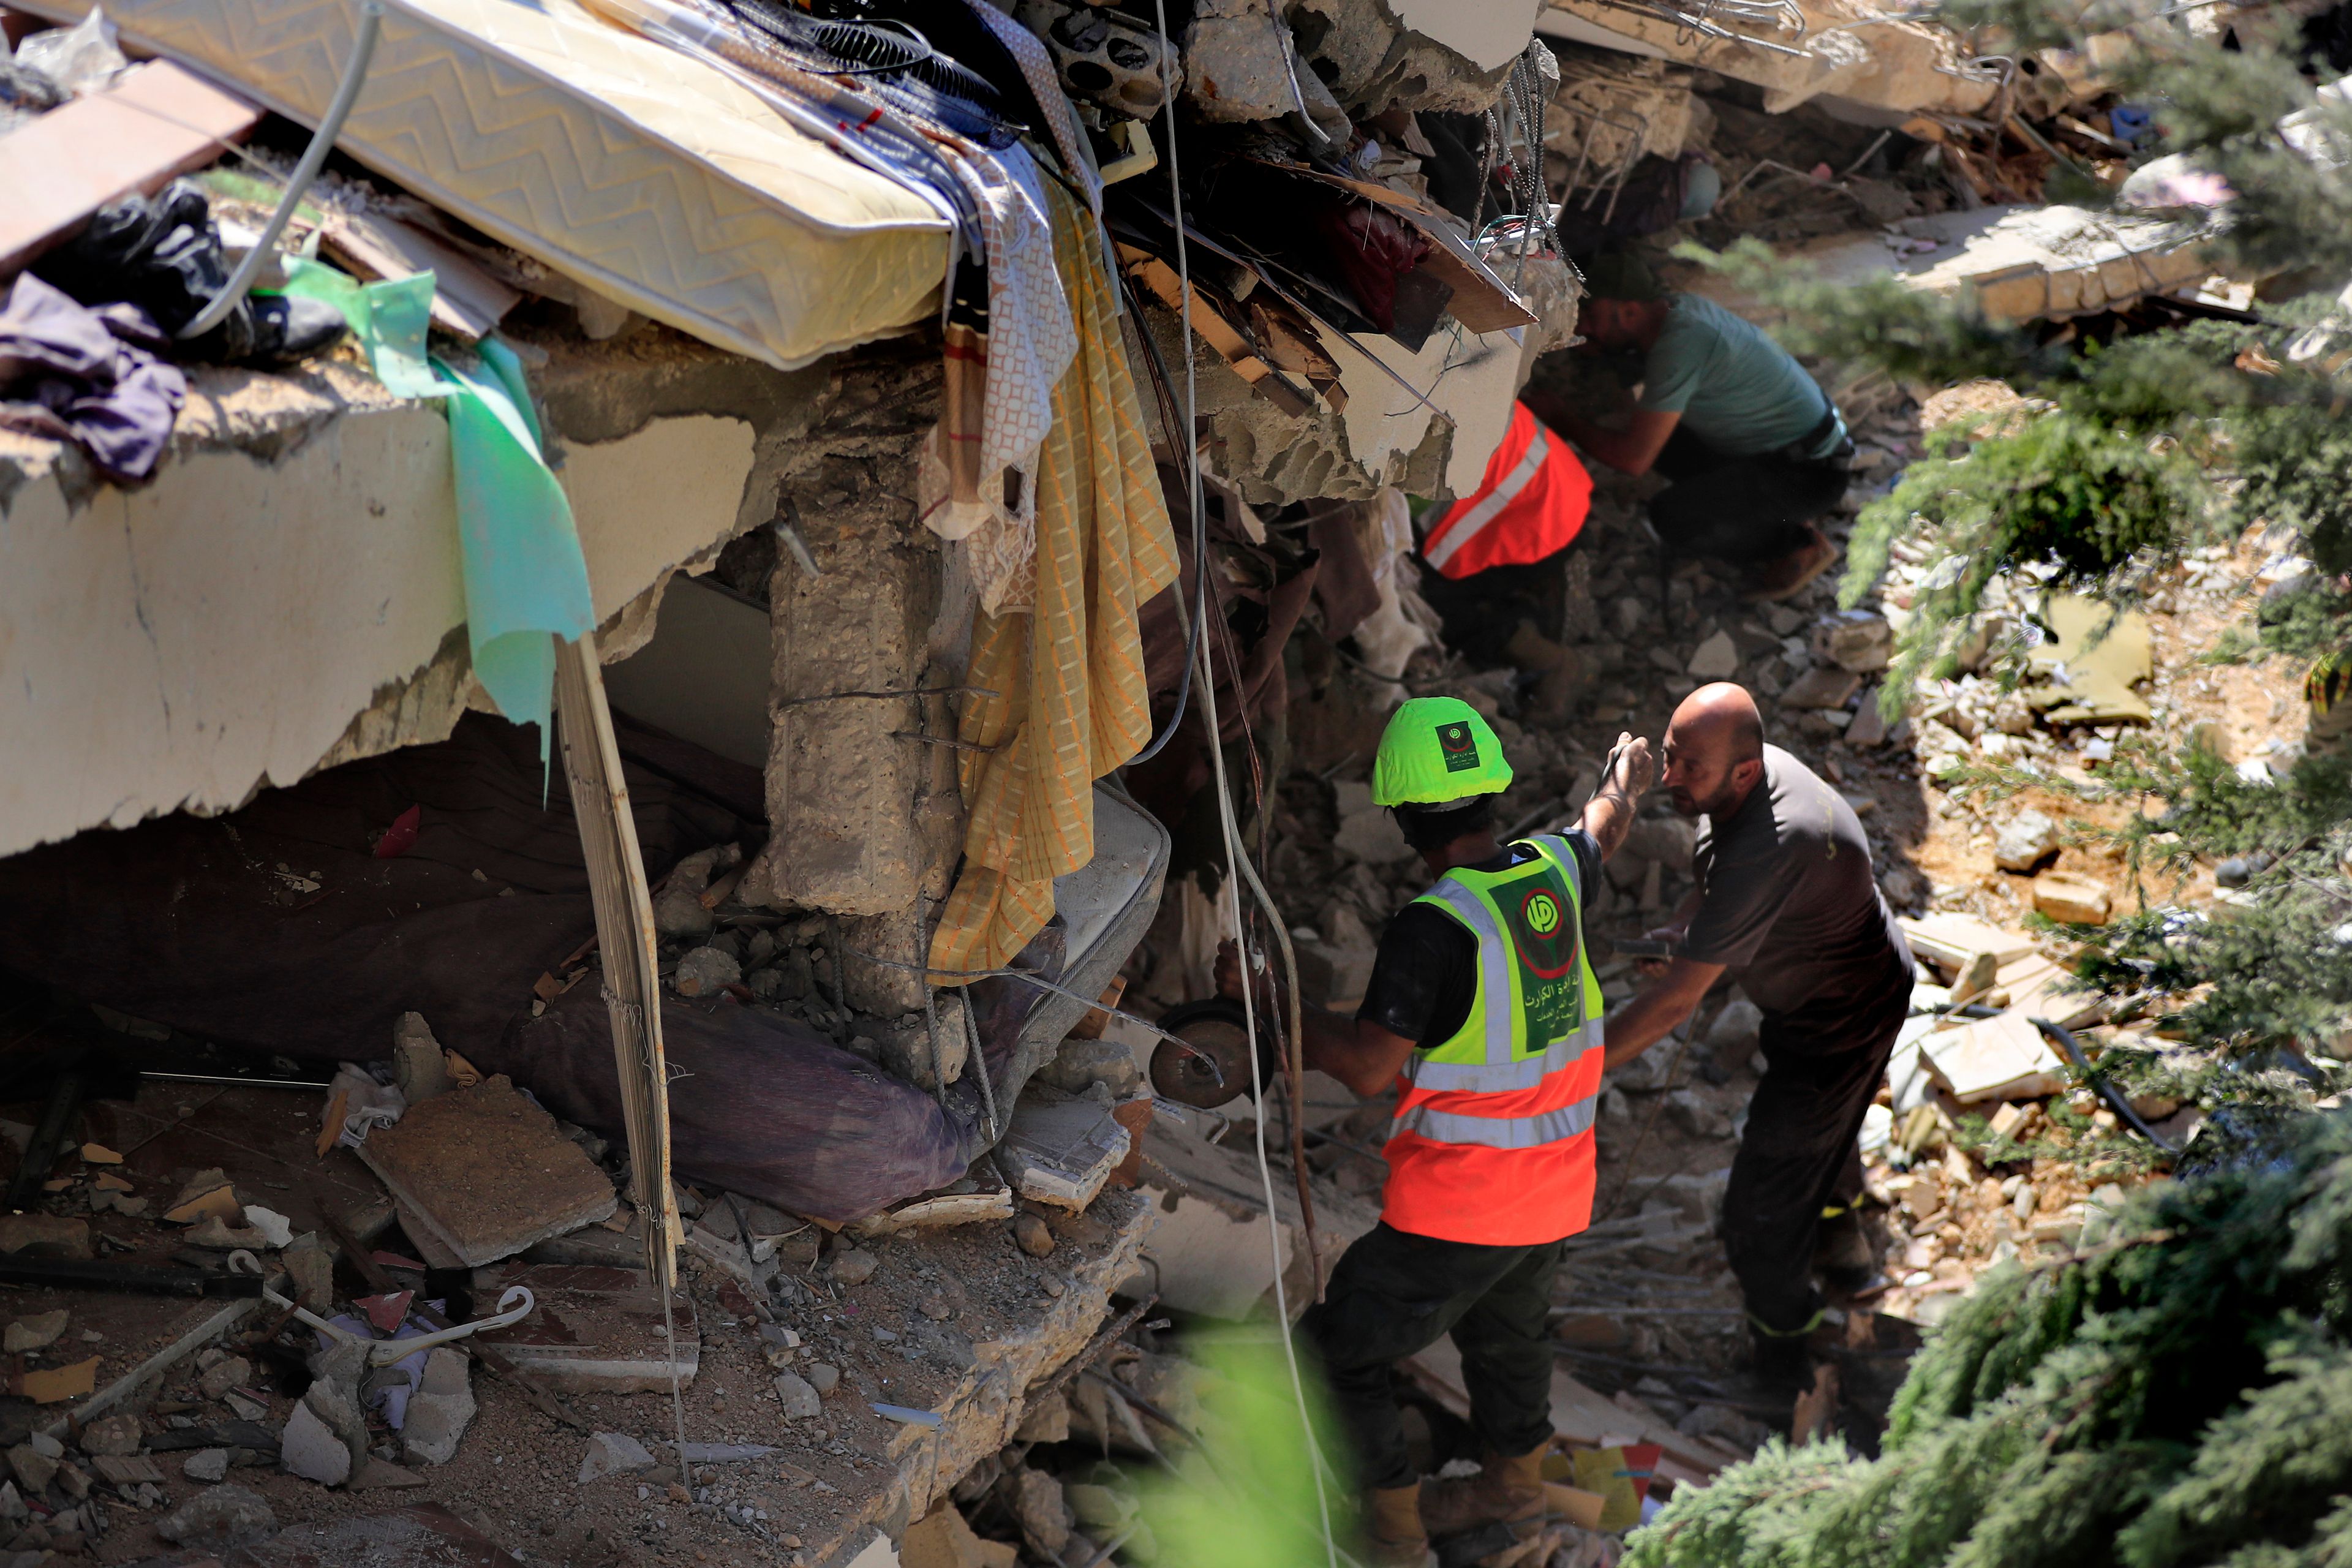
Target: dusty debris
x=486 y=1172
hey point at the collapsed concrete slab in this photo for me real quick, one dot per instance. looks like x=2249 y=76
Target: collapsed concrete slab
x=2021 y=263
x=1796 y=50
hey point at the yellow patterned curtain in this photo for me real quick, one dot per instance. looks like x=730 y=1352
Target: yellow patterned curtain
x=1069 y=669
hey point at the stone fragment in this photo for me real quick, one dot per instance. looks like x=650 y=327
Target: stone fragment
x=1869 y=726
x=111 y=1435
x=1823 y=685
x=1691 y=1111
x=908 y=1048
x=233 y=1372
x=797 y=1398
x=1079 y=1065
x=312 y=1270
x=1717 y=658
x=855 y=1265
x=705 y=971
x=417 y=1064
x=2024 y=841
x=211 y=1231
x=1858 y=640
x=935 y=1307
x=99 y=1154
x=34 y=1470
x=678 y=904
x=1035 y=1236
x=206 y=1465
x=45 y=1236
x=34 y=1332
x=1042 y=1511
x=310 y=1449
x=1047 y=1421
x=277 y=1230
x=335 y=1401
x=823 y=1377
x=611 y=1453
x=218 y=1517
x=2070 y=900
x=48 y=1448
x=440 y=1410
x=205 y=1192
x=1734 y=1029
x=72 y=1479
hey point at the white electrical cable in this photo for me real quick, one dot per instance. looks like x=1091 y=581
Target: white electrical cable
x=1206 y=676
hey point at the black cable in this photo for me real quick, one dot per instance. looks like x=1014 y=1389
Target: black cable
x=1200 y=609
x=2107 y=1091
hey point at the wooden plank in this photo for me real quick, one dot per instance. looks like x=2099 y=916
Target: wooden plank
x=156 y=121
x=625 y=937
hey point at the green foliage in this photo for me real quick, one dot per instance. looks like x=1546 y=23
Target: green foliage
x=1247 y=1500
x=2181 y=1394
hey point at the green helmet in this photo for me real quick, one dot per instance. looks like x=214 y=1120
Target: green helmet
x=1437 y=748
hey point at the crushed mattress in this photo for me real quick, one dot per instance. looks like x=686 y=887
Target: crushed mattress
x=650 y=178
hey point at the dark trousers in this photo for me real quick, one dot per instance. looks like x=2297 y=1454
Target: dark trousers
x=1799 y=1153
x=1740 y=510
x=1391 y=1296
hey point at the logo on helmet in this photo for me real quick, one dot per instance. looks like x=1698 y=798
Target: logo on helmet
x=1459 y=747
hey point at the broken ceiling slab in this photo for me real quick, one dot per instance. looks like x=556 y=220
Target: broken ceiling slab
x=2001 y=1057
x=1061 y=1151
x=1612 y=110
x=654 y=179
x=2021 y=263
x=1795 y=51
x=486 y=1172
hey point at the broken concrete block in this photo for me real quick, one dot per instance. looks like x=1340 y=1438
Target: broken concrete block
x=111 y=1435
x=706 y=971
x=797 y=1398
x=1062 y=1153
x=205 y=1465
x=1366 y=831
x=823 y=1377
x=1047 y=1421
x=1696 y=1115
x=205 y=1192
x=611 y=1453
x=417 y=1064
x=230 y=1371
x=2073 y=900
x=218 y=1517
x=942 y=1539
x=1037 y=1505
x=907 y=1048
x=2024 y=841
x=314 y=1445
x=1079 y=1065
x=34 y=1469
x=1717 y=658
x=1858 y=640
x=312 y=1270
x=679 y=910
x=440 y=1410
x=2003 y=1057
x=486 y=1172
x=1823 y=685
x=34 y=1333
x=45 y=1236
x=276 y=1229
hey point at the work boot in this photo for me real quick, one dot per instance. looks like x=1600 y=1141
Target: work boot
x=1504 y=1491
x=1393 y=1537
x=1842 y=1254
x=1772 y=580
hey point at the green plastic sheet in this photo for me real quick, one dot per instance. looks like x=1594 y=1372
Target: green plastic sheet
x=526 y=579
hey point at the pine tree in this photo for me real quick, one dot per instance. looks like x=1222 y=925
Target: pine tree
x=2181 y=1396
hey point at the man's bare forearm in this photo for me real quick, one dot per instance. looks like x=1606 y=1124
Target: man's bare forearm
x=1650 y=1017
x=1359 y=1053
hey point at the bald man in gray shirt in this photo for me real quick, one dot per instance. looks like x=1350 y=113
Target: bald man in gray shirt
x=1787 y=906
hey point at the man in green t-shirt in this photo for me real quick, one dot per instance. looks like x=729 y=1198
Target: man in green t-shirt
x=1755 y=448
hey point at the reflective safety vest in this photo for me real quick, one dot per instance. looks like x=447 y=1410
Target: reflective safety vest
x=1532 y=502
x=1492 y=1141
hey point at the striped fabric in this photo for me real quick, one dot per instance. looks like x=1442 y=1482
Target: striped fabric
x=1072 y=701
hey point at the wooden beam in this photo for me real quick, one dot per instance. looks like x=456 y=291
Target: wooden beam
x=624 y=933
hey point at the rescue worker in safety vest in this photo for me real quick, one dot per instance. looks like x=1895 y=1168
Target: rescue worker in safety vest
x=1483 y=1015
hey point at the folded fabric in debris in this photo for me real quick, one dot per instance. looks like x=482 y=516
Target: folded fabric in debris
x=90 y=376
x=367 y=1104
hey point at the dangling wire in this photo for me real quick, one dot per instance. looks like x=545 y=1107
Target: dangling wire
x=1234 y=857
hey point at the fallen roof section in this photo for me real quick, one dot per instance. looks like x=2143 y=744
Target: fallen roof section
x=645 y=176
x=2022 y=263
x=1795 y=51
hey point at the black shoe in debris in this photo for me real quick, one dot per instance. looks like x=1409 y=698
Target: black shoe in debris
x=163 y=255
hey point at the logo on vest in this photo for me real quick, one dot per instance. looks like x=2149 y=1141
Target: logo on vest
x=1458 y=746
x=1542 y=932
